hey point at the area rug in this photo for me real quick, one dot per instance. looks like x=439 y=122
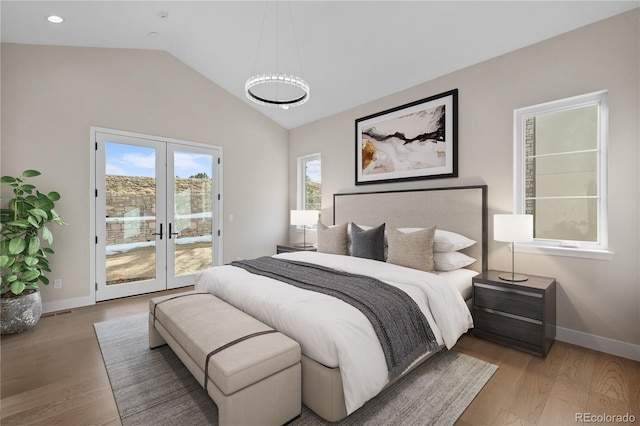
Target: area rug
x=152 y=387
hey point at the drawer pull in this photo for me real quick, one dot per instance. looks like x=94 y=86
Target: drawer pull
x=505 y=314
x=509 y=290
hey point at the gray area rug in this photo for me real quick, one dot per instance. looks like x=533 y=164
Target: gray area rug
x=152 y=387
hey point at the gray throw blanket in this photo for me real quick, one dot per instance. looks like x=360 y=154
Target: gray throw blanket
x=402 y=328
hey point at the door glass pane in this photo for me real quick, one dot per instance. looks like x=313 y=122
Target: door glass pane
x=130 y=213
x=193 y=207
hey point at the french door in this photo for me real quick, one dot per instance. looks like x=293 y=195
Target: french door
x=157 y=213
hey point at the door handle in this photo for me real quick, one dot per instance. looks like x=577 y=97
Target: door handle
x=159 y=233
x=170 y=232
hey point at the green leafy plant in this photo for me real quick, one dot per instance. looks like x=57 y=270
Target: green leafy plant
x=23 y=228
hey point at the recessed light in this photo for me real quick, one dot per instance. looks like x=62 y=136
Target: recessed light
x=54 y=19
x=154 y=34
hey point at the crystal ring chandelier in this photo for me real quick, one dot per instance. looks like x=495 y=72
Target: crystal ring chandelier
x=288 y=90
x=289 y=80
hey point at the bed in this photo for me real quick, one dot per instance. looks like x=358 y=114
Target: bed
x=342 y=365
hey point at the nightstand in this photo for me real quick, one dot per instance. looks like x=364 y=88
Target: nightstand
x=517 y=314
x=288 y=249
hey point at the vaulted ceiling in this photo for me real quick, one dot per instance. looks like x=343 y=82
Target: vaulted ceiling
x=350 y=52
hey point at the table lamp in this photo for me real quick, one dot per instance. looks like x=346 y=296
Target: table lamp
x=513 y=228
x=304 y=218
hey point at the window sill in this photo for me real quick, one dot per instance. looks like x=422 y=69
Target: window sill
x=565 y=251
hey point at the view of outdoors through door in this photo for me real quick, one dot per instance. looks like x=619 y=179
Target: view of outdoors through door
x=155 y=221
x=190 y=230
x=130 y=213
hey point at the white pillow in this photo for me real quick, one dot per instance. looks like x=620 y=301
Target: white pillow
x=451 y=260
x=447 y=241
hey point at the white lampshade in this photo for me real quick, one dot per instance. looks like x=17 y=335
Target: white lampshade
x=304 y=217
x=513 y=228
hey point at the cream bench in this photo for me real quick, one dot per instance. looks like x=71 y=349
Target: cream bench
x=251 y=371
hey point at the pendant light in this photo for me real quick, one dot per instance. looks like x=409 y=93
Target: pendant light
x=288 y=90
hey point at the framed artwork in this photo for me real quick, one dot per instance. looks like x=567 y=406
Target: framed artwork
x=418 y=140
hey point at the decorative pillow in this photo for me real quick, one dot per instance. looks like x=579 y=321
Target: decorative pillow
x=447 y=241
x=413 y=249
x=368 y=244
x=364 y=228
x=451 y=260
x=332 y=239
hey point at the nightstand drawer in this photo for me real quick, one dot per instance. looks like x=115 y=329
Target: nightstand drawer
x=513 y=301
x=521 y=329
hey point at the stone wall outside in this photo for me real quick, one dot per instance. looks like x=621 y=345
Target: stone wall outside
x=131 y=208
x=530 y=168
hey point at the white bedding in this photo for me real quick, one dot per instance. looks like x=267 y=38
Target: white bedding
x=331 y=331
x=460 y=279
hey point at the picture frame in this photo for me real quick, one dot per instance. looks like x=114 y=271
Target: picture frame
x=418 y=140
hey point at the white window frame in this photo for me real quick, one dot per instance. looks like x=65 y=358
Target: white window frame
x=301 y=202
x=599 y=249
x=301 y=180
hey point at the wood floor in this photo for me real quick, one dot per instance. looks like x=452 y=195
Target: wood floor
x=54 y=375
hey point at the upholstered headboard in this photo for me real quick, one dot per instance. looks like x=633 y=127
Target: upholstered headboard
x=458 y=209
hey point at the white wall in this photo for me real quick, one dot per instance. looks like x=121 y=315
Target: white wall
x=599 y=298
x=52 y=95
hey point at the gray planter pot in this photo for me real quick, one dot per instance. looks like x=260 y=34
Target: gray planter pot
x=20 y=313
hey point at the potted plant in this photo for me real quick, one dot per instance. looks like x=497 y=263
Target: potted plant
x=23 y=254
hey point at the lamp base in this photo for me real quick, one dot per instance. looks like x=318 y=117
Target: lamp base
x=509 y=276
x=305 y=246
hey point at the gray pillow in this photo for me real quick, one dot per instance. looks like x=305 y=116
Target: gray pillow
x=368 y=244
x=413 y=250
x=332 y=239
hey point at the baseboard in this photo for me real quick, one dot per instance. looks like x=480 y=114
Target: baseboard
x=66 y=304
x=598 y=343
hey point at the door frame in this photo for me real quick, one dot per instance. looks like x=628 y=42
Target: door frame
x=94 y=234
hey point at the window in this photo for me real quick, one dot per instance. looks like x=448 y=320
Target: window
x=309 y=183
x=561 y=173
